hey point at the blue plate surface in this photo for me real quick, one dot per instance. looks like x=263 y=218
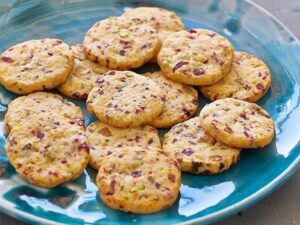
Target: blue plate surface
x=203 y=199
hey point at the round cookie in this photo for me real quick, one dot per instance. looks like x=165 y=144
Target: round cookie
x=196 y=151
x=105 y=139
x=39 y=102
x=125 y=99
x=83 y=76
x=47 y=150
x=238 y=123
x=121 y=43
x=165 y=22
x=181 y=101
x=195 y=57
x=249 y=79
x=139 y=180
x=35 y=65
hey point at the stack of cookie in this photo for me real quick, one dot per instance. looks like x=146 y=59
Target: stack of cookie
x=135 y=172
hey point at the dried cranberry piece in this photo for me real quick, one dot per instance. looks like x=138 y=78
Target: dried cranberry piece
x=111 y=190
x=171 y=177
x=260 y=86
x=178 y=65
x=192 y=31
x=136 y=173
x=7 y=59
x=122 y=52
x=40 y=135
x=105 y=132
x=84 y=147
x=198 y=72
x=187 y=151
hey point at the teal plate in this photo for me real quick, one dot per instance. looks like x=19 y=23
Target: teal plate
x=203 y=199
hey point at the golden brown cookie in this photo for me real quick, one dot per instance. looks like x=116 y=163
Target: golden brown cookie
x=83 y=77
x=195 y=57
x=196 y=151
x=238 y=123
x=125 y=99
x=35 y=65
x=121 y=43
x=249 y=79
x=181 y=101
x=139 y=180
x=105 y=139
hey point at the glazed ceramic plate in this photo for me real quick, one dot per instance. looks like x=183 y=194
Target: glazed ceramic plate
x=203 y=199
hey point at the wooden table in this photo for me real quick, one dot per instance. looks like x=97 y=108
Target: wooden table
x=282 y=207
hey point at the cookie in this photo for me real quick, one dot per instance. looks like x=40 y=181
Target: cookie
x=249 y=79
x=195 y=57
x=125 y=99
x=83 y=76
x=35 y=65
x=39 y=102
x=238 y=123
x=181 y=101
x=165 y=22
x=105 y=139
x=139 y=180
x=47 y=150
x=196 y=151
x=120 y=43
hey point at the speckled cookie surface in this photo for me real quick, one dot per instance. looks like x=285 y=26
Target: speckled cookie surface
x=35 y=65
x=196 y=57
x=83 y=75
x=165 y=22
x=121 y=43
x=39 y=102
x=196 y=151
x=181 y=101
x=105 y=139
x=125 y=99
x=47 y=150
x=249 y=79
x=139 y=180
x=238 y=123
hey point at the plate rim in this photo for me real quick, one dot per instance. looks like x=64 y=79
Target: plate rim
x=220 y=214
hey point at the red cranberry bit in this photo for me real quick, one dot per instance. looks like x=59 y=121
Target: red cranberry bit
x=84 y=147
x=79 y=122
x=124 y=42
x=157 y=185
x=251 y=138
x=178 y=65
x=228 y=130
x=171 y=177
x=105 y=131
x=57 y=43
x=150 y=141
x=136 y=173
x=122 y=52
x=187 y=151
x=260 y=86
x=40 y=135
x=99 y=81
x=84 y=95
x=263 y=114
x=205 y=61
x=186 y=112
x=247 y=87
x=64 y=161
x=195 y=101
x=27 y=147
x=50 y=53
x=265 y=76
x=198 y=72
x=174 y=140
x=243 y=115
x=109 y=152
x=137 y=139
x=7 y=59
x=100 y=92
x=112 y=72
x=163 y=99
x=111 y=190
x=12 y=141
x=177 y=50
x=123 y=79
x=192 y=31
